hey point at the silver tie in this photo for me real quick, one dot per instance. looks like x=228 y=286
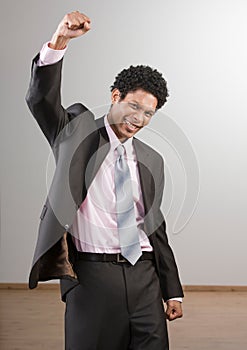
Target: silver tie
x=126 y=220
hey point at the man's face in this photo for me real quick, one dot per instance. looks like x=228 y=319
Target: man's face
x=129 y=115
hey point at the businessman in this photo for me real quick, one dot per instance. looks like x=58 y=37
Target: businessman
x=101 y=229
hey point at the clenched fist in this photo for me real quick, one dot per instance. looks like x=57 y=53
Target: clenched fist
x=73 y=25
x=173 y=310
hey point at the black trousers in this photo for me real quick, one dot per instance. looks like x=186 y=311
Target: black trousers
x=115 y=307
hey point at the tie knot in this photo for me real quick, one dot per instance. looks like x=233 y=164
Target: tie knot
x=120 y=150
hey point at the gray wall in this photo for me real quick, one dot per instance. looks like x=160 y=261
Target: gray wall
x=200 y=46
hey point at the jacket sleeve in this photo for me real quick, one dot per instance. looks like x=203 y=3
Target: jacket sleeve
x=168 y=271
x=44 y=99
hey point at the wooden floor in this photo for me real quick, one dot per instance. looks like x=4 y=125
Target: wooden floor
x=212 y=321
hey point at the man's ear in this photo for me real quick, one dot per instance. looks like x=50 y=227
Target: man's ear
x=115 y=96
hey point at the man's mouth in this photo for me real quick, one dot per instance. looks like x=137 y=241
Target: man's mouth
x=131 y=126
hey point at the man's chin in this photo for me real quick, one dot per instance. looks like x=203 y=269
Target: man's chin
x=129 y=134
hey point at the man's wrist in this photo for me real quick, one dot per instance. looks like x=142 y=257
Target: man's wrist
x=175 y=299
x=58 y=42
x=49 y=56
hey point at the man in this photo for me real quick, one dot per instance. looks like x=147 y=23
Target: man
x=101 y=231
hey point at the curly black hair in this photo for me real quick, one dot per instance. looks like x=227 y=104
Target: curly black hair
x=142 y=77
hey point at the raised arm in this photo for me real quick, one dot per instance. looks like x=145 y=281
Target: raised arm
x=43 y=96
x=73 y=25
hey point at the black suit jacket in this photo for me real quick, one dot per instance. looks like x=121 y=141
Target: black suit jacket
x=79 y=144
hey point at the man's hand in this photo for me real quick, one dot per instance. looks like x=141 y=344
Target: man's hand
x=73 y=25
x=173 y=310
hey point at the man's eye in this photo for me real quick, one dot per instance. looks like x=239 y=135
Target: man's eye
x=148 y=115
x=134 y=106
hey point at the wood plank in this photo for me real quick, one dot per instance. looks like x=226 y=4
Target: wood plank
x=187 y=288
x=208 y=288
x=24 y=286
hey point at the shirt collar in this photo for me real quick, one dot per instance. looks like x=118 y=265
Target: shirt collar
x=114 y=141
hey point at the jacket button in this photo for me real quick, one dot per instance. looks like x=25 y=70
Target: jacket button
x=66 y=227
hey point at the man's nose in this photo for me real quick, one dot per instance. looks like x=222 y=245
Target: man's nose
x=138 y=116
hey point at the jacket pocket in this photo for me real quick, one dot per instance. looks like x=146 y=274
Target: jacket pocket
x=44 y=210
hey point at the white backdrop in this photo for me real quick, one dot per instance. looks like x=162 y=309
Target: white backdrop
x=200 y=46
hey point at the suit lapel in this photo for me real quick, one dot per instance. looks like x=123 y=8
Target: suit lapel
x=98 y=157
x=146 y=178
x=147 y=182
